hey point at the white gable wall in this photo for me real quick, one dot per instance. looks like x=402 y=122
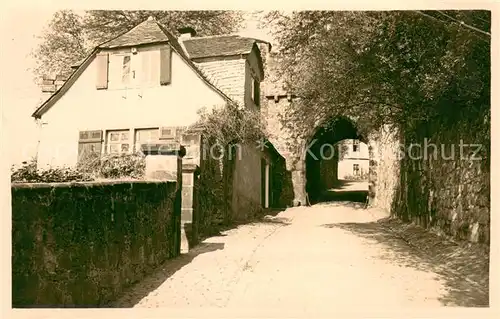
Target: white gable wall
x=83 y=107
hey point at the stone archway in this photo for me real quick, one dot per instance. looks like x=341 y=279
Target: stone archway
x=382 y=148
x=305 y=170
x=321 y=157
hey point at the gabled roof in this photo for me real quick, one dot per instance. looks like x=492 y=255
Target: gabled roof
x=223 y=45
x=131 y=38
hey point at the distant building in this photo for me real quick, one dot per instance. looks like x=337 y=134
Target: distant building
x=353 y=161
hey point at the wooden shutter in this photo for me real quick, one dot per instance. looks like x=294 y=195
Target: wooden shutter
x=102 y=71
x=150 y=67
x=89 y=145
x=168 y=133
x=165 y=65
x=145 y=67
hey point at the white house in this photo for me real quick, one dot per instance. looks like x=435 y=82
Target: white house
x=131 y=86
x=142 y=86
x=354 y=161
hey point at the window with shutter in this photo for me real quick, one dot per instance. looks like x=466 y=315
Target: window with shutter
x=145 y=67
x=89 y=146
x=102 y=71
x=165 y=65
x=150 y=68
x=118 y=142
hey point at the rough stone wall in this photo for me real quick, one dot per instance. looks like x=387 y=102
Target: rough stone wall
x=451 y=196
x=80 y=244
x=448 y=191
x=384 y=164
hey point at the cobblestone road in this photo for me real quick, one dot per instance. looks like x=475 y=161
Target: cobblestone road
x=325 y=256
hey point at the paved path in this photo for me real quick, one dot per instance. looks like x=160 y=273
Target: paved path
x=304 y=258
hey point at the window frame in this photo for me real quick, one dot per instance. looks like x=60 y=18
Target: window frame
x=255 y=84
x=355 y=146
x=119 y=142
x=136 y=147
x=129 y=78
x=135 y=66
x=356 y=169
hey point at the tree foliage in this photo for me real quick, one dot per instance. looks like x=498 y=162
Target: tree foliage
x=70 y=36
x=397 y=67
x=62 y=44
x=229 y=124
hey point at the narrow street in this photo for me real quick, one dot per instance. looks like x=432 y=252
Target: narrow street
x=330 y=255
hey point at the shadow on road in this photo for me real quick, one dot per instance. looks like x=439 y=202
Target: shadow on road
x=344 y=196
x=267 y=217
x=463 y=269
x=343 y=191
x=135 y=293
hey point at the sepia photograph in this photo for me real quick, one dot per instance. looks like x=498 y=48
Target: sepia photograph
x=308 y=160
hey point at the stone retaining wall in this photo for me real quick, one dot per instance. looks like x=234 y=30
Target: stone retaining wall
x=80 y=244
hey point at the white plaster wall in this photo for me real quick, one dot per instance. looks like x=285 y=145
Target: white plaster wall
x=345 y=167
x=83 y=107
x=349 y=154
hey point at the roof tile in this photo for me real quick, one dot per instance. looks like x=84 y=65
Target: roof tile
x=224 y=45
x=144 y=33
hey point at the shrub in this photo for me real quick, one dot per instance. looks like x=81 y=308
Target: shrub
x=361 y=177
x=120 y=166
x=92 y=168
x=28 y=173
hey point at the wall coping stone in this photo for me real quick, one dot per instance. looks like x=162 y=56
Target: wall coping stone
x=87 y=184
x=189 y=167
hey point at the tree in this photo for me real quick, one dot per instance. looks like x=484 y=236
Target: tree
x=63 y=43
x=380 y=67
x=70 y=37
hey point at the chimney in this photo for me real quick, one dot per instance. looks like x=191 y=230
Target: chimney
x=52 y=83
x=186 y=33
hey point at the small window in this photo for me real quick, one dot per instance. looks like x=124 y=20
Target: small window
x=355 y=169
x=256 y=92
x=126 y=70
x=355 y=145
x=118 y=142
